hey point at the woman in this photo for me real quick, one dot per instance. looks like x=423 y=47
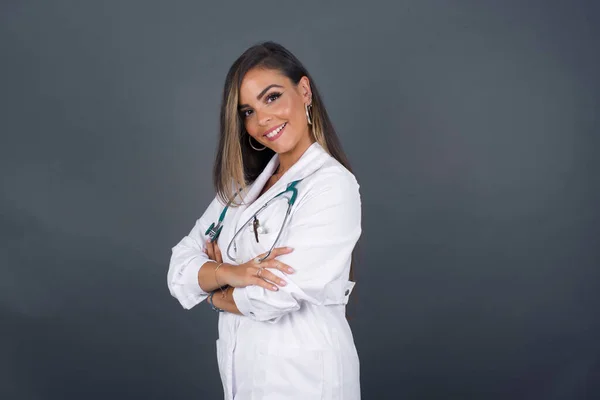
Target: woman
x=281 y=293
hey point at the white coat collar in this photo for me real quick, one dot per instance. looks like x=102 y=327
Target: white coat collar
x=311 y=160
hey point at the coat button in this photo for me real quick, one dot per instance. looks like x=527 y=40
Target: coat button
x=347 y=292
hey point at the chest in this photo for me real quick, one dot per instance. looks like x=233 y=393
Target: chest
x=272 y=181
x=256 y=228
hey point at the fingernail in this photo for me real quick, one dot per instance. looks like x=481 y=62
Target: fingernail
x=275 y=288
x=282 y=283
x=290 y=248
x=290 y=270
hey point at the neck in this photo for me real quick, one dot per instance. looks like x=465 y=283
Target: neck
x=288 y=159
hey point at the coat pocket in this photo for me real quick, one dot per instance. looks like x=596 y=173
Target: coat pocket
x=270 y=223
x=291 y=373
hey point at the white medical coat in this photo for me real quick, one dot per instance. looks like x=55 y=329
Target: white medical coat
x=294 y=343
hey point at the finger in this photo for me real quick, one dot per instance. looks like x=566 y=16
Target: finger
x=275 y=253
x=276 y=264
x=271 y=277
x=217 y=251
x=262 y=283
x=210 y=250
x=279 y=251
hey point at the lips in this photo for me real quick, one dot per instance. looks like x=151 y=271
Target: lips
x=275 y=133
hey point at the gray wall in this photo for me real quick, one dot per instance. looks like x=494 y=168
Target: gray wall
x=472 y=127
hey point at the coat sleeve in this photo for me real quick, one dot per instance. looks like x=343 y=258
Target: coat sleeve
x=323 y=231
x=187 y=257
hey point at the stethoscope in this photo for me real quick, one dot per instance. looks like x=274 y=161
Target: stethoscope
x=214 y=230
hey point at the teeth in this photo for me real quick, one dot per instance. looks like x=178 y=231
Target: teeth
x=276 y=131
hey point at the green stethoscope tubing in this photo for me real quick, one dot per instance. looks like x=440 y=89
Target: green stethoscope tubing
x=215 y=229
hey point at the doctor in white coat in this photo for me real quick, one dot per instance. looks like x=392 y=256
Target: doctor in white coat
x=280 y=284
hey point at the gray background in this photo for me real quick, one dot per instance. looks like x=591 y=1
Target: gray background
x=471 y=125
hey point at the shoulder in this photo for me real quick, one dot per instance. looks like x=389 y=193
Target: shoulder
x=331 y=181
x=332 y=172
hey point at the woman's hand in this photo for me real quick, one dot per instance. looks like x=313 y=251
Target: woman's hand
x=251 y=273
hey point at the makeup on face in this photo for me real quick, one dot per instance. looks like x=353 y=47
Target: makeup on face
x=272 y=110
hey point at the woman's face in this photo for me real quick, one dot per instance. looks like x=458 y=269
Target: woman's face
x=272 y=109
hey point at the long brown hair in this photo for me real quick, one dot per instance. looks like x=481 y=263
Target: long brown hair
x=237 y=164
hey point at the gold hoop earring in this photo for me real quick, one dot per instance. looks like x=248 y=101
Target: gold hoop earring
x=251 y=145
x=306 y=108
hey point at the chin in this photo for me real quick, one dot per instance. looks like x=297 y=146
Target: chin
x=282 y=147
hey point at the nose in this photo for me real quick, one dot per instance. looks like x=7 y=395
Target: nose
x=263 y=118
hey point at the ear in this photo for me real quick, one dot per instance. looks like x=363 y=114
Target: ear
x=305 y=91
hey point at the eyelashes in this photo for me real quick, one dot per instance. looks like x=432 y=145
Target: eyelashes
x=271 y=97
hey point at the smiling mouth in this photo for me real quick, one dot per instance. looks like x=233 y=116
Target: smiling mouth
x=275 y=133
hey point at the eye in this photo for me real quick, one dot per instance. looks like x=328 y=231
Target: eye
x=273 y=96
x=246 y=113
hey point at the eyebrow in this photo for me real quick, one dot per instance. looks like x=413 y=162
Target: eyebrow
x=260 y=95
